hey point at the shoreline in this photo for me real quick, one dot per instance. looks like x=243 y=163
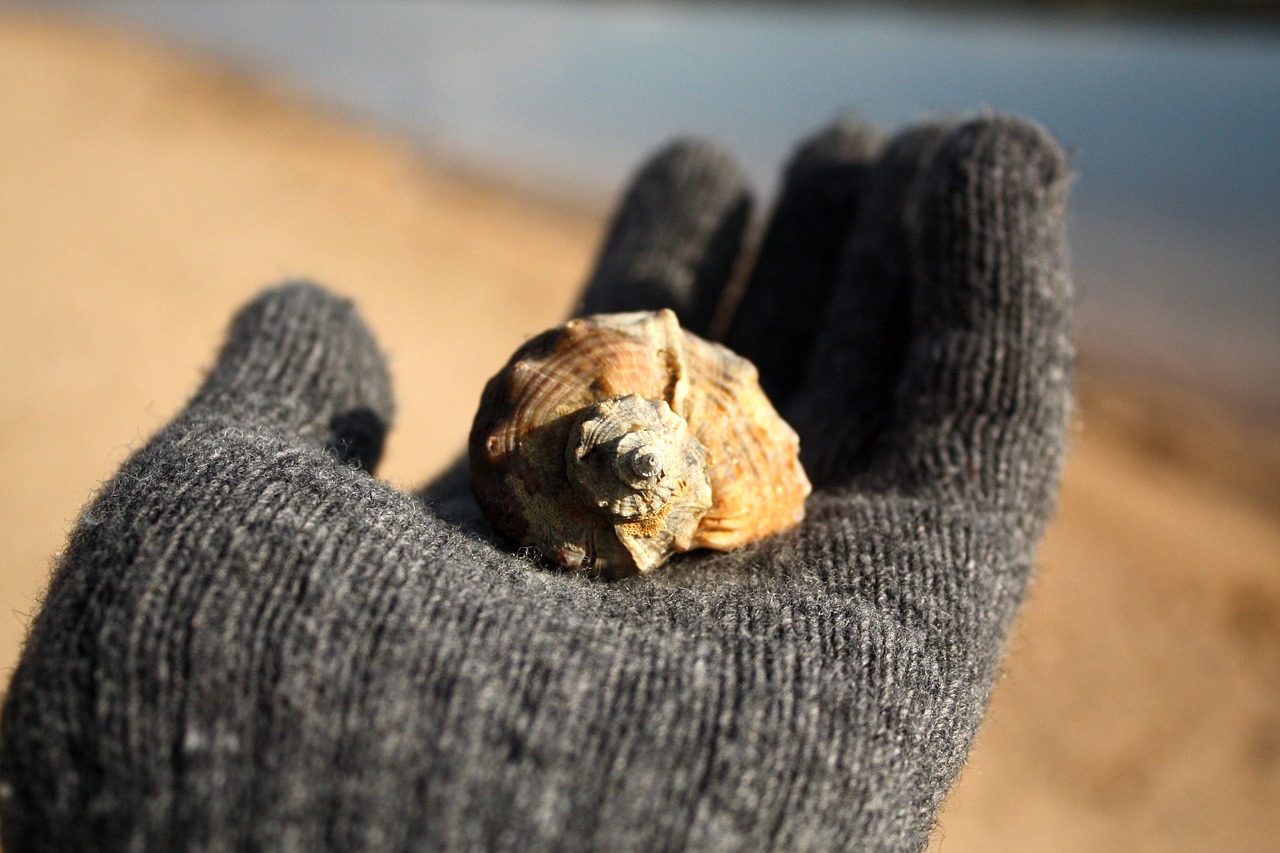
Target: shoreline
x=1173 y=270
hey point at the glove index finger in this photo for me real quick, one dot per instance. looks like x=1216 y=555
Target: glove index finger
x=299 y=360
x=675 y=240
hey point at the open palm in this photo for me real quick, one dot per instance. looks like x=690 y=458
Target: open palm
x=250 y=643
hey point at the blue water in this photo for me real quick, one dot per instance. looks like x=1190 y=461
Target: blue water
x=1174 y=129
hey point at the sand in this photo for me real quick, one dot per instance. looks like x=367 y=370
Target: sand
x=147 y=193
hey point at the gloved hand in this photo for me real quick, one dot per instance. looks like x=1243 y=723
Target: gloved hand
x=250 y=643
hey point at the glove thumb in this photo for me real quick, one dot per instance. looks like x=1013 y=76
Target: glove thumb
x=299 y=360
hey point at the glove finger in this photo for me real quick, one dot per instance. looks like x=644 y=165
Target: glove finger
x=779 y=312
x=675 y=240
x=298 y=359
x=980 y=409
x=857 y=354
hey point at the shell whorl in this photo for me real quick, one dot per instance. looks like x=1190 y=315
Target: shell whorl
x=637 y=463
x=630 y=457
x=616 y=440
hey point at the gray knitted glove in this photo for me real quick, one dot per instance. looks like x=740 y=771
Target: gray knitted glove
x=250 y=643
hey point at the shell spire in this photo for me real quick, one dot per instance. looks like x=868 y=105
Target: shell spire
x=616 y=440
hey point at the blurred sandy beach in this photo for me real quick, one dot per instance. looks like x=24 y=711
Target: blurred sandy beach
x=145 y=194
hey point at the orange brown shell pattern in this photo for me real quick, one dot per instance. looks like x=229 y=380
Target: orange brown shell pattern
x=616 y=440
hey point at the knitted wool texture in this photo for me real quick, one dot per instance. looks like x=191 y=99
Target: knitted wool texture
x=251 y=644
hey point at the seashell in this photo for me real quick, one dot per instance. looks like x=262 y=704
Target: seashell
x=616 y=440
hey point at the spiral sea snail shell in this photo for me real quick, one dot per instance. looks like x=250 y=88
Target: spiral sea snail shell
x=616 y=440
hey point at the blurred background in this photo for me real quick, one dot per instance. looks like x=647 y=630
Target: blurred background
x=450 y=165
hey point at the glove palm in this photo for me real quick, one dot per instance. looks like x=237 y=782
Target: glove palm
x=252 y=643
